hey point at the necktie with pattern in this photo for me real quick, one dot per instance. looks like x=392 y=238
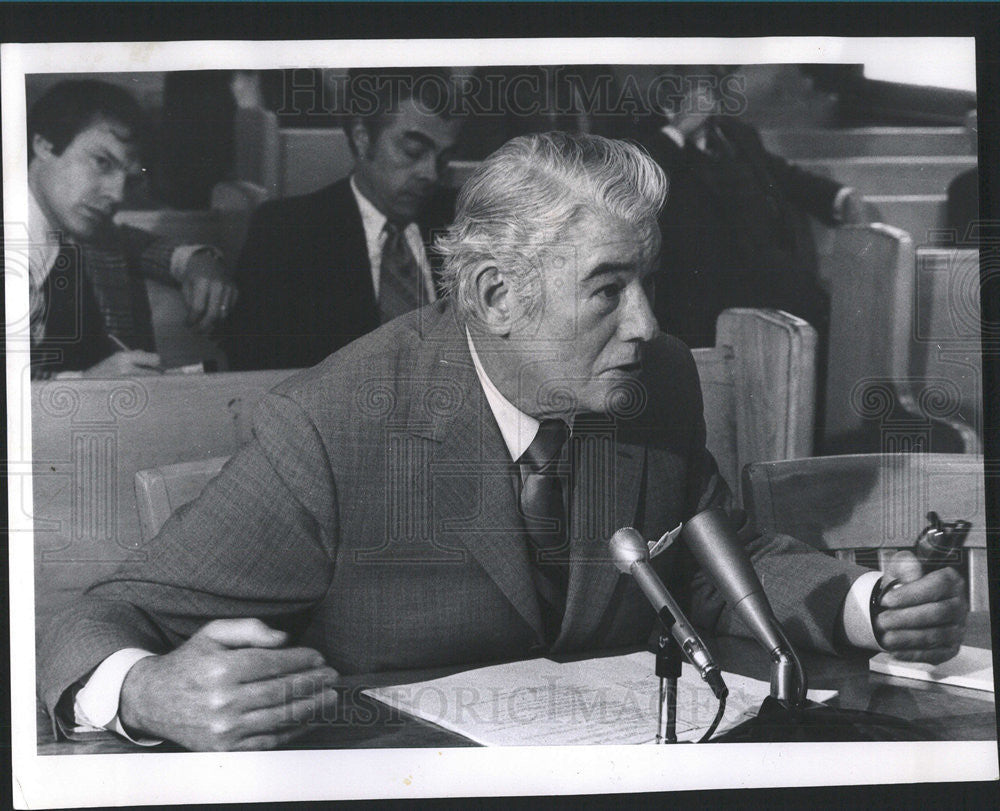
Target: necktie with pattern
x=399 y=276
x=544 y=511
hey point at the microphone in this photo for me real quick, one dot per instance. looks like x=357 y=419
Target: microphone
x=712 y=540
x=631 y=555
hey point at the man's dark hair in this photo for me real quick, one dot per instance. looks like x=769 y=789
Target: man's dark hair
x=71 y=106
x=374 y=93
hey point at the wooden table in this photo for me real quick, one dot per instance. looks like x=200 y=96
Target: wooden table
x=948 y=713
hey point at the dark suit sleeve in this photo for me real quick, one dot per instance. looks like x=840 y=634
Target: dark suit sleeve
x=806 y=588
x=813 y=194
x=245 y=336
x=257 y=543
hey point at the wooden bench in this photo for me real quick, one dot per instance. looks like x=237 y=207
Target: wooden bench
x=892 y=175
x=90 y=438
x=863 y=142
x=922 y=216
x=889 y=385
x=289 y=161
x=946 y=341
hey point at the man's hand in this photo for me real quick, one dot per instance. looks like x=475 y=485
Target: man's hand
x=134 y=363
x=852 y=209
x=230 y=686
x=208 y=292
x=923 y=620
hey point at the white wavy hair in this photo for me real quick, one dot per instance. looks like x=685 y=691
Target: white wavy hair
x=527 y=195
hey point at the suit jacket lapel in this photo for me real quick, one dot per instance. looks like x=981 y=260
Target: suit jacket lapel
x=600 y=457
x=472 y=483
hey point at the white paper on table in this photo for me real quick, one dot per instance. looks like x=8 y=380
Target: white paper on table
x=610 y=700
x=971 y=667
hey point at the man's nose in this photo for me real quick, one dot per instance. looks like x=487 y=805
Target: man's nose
x=428 y=168
x=638 y=322
x=113 y=187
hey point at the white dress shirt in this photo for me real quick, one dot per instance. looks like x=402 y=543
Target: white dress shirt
x=374 y=222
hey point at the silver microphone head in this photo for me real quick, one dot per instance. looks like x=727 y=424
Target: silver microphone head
x=627 y=548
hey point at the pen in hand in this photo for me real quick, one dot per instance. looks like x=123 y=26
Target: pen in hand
x=125 y=348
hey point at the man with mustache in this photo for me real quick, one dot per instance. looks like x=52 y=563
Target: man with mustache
x=324 y=268
x=89 y=311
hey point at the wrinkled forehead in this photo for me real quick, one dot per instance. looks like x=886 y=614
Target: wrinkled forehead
x=625 y=242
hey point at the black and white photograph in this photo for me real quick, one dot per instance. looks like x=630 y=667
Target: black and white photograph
x=426 y=418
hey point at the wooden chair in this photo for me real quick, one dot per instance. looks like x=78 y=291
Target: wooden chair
x=842 y=504
x=161 y=490
x=867 y=272
x=88 y=439
x=922 y=216
x=888 y=387
x=946 y=341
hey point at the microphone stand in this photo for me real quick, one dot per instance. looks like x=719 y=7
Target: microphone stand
x=787 y=715
x=668 y=668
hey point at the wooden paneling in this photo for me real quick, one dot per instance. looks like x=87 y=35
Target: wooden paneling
x=892 y=175
x=864 y=142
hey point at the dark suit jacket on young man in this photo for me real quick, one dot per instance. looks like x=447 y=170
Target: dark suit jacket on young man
x=735 y=233
x=98 y=289
x=305 y=279
x=374 y=516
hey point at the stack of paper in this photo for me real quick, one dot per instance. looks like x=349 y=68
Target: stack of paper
x=972 y=667
x=612 y=700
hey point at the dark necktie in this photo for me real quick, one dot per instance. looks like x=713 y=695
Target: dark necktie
x=544 y=512
x=75 y=337
x=399 y=277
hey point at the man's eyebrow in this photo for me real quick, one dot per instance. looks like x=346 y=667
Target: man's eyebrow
x=416 y=135
x=607 y=269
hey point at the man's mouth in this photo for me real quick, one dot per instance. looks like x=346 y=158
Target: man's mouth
x=632 y=368
x=98 y=214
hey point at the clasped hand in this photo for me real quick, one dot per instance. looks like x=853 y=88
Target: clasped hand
x=231 y=686
x=923 y=619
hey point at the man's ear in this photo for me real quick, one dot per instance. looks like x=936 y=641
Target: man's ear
x=41 y=147
x=360 y=138
x=496 y=302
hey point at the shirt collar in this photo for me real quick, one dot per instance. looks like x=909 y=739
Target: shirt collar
x=372 y=219
x=678 y=138
x=44 y=246
x=517 y=428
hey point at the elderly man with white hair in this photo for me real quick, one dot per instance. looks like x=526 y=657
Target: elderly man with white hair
x=441 y=491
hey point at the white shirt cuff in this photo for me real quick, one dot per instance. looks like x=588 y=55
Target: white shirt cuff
x=182 y=255
x=96 y=704
x=838 y=202
x=857 y=614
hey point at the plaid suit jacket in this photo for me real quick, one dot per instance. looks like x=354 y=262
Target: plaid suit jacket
x=374 y=517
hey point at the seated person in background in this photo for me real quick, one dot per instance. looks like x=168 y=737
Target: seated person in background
x=963 y=191
x=319 y=270
x=89 y=310
x=414 y=500
x=734 y=227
